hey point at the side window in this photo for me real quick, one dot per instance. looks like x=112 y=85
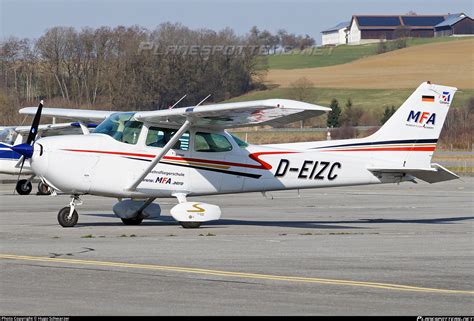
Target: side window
x=208 y=142
x=131 y=131
x=158 y=137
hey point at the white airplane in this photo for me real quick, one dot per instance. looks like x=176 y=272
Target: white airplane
x=10 y=161
x=140 y=156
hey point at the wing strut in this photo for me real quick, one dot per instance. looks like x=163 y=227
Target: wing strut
x=160 y=155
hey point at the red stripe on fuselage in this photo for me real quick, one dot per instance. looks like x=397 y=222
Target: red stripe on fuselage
x=254 y=156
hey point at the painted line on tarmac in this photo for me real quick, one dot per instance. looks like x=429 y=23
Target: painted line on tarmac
x=376 y=285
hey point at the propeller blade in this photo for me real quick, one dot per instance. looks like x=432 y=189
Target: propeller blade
x=35 y=124
x=26 y=150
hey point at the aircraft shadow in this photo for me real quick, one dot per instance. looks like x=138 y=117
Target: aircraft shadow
x=341 y=224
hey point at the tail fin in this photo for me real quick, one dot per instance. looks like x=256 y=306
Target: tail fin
x=414 y=129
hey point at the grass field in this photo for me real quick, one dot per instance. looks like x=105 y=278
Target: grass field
x=448 y=63
x=329 y=56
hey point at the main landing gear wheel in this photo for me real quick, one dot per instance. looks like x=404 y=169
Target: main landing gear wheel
x=23 y=187
x=132 y=221
x=66 y=218
x=190 y=224
x=43 y=189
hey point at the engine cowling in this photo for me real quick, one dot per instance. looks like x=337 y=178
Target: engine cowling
x=129 y=209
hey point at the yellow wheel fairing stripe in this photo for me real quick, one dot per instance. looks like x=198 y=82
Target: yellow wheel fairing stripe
x=376 y=285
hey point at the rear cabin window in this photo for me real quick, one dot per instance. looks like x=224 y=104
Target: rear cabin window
x=209 y=142
x=240 y=142
x=158 y=137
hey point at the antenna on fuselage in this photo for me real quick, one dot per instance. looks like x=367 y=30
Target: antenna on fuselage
x=176 y=103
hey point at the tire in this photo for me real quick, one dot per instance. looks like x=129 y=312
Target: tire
x=190 y=224
x=132 y=221
x=43 y=189
x=23 y=187
x=63 y=219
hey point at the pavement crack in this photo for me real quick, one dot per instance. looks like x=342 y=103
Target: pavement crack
x=86 y=250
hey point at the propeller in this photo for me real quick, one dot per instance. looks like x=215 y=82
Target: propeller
x=26 y=149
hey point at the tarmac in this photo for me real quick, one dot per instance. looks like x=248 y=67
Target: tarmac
x=403 y=249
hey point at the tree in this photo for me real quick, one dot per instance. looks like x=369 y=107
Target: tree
x=300 y=90
x=387 y=114
x=334 y=114
x=306 y=42
x=104 y=67
x=382 y=46
x=400 y=34
x=351 y=115
x=265 y=39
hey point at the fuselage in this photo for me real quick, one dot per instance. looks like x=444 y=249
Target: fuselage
x=101 y=165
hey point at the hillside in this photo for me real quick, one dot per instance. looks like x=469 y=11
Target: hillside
x=330 y=56
x=448 y=63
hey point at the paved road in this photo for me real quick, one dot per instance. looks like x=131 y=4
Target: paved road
x=395 y=249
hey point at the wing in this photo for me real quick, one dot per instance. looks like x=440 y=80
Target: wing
x=231 y=115
x=62 y=128
x=71 y=114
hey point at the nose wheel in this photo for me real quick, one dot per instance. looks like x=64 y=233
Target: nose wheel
x=68 y=216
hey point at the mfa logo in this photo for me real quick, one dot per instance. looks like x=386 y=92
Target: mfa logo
x=163 y=180
x=421 y=119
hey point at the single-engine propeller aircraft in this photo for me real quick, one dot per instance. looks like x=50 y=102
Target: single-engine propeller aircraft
x=140 y=156
x=10 y=161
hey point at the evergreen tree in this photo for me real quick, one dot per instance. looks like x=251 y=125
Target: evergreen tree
x=348 y=114
x=387 y=114
x=334 y=115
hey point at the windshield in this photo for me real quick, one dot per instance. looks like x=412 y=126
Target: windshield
x=122 y=127
x=8 y=136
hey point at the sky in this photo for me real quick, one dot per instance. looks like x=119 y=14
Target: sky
x=30 y=18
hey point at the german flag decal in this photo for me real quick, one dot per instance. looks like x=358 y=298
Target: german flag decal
x=428 y=99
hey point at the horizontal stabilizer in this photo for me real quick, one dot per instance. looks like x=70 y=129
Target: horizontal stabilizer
x=435 y=174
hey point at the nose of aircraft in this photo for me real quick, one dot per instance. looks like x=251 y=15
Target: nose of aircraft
x=39 y=159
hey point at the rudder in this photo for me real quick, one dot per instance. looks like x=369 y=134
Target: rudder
x=414 y=129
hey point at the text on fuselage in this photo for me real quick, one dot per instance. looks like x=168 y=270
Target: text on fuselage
x=309 y=169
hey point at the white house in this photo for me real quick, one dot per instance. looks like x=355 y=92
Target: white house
x=336 y=35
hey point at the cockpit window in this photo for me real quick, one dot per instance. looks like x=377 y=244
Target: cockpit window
x=122 y=127
x=8 y=136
